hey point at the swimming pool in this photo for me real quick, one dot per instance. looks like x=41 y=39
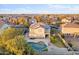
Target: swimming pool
x=39 y=47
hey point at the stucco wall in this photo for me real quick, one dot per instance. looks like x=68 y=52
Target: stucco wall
x=70 y=30
x=37 y=33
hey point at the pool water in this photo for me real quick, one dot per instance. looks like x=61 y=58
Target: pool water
x=37 y=46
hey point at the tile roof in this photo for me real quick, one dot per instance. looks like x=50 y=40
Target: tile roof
x=36 y=25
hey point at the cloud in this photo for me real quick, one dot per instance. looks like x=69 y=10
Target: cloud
x=49 y=9
x=56 y=6
x=22 y=11
x=14 y=11
x=64 y=7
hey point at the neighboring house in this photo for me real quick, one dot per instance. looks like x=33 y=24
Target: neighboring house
x=32 y=20
x=51 y=19
x=39 y=30
x=4 y=26
x=76 y=21
x=25 y=29
x=70 y=28
x=66 y=20
x=4 y=19
x=1 y=23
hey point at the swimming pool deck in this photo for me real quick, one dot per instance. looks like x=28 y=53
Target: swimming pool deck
x=46 y=41
x=52 y=49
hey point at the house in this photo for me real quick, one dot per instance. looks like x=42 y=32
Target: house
x=32 y=20
x=39 y=30
x=25 y=29
x=4 y=26
x=70 y=28
x=66 y=20
x=36 y=30
x=12 y=20
x=1 y=24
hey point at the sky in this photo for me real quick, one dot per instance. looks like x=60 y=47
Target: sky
x=39 y=8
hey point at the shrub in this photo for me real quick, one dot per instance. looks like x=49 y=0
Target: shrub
x=26 y=24
x=53 y=39
x=46 y=49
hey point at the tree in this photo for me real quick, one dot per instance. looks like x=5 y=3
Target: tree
x=1 y=16
x=26 y=24
x=13 y=41
x=21 y=20
x=38 y=18
x=11 y=33
x=16 y=45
